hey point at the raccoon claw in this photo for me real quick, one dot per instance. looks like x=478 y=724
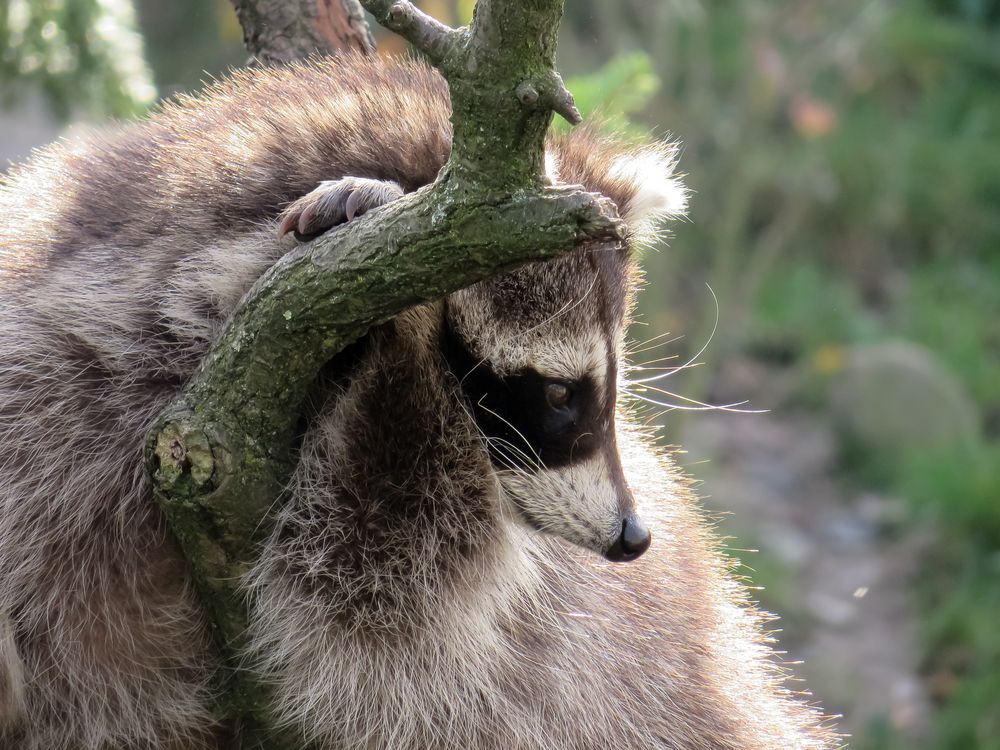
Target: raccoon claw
x=335 y=202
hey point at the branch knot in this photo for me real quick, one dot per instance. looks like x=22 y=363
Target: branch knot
x=182 y=457
x=549 y=92
x=527 y=94
x=427 y=34
x=561 y=100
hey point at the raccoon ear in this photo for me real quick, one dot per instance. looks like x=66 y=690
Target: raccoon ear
x=658 y=192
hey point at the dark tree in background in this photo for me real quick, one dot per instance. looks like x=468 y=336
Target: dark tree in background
x=276 y=31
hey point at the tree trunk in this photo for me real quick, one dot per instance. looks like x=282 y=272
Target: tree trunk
x=280 y=31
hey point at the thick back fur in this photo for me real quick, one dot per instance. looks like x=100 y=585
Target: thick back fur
x=397 y=605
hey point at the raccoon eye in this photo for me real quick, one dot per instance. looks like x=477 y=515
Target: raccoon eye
x=557 y=395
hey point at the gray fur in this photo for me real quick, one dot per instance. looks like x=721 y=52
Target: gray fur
x=400 y=602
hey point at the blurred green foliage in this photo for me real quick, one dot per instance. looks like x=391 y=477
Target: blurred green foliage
x=190 y=41
x=613 y=94
x=85 y=55
x=845 y=161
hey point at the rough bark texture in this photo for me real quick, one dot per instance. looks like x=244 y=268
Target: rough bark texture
x=503 y=82
x=277 y=31
x=219 y=457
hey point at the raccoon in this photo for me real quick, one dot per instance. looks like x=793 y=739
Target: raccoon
x=447 y=568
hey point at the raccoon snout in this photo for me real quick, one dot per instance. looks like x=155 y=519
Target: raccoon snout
x=632 y=542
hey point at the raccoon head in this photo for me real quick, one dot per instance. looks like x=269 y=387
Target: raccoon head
x=537 y=353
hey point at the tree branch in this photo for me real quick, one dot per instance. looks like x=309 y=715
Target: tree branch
x=220 y=456
x=427 y=34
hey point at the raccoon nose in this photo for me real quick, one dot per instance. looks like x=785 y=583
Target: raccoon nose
x=632 y=542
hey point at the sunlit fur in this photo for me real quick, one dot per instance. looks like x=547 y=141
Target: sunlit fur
x=400 y=603
x=565 y=322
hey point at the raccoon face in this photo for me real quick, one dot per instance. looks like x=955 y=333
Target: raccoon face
x=536 y=353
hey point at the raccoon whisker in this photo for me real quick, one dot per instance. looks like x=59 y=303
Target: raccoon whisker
x=668 y=371
x=461 y=380
x=681 y=407
x=511 y=464
x=506 y=465
x=507 y=445
x=715 y=326
x=579 y=437
x=696 y=405
x=647 y=365
x=651 y=419
x=688 y=399
x=651 y=343
x=648 y=344
x=517 y=431
x=691 y=362
x=507 y=462
x=561 y=311
x=501 y=442
x=504 y=445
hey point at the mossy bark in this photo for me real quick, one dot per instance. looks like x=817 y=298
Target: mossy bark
x=220 y=456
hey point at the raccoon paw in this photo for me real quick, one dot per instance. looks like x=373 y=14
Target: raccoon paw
x=335 y=202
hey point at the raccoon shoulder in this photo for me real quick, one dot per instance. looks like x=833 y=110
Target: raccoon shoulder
x=224 y=160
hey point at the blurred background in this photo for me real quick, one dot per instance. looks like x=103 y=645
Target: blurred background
x=835 y=294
